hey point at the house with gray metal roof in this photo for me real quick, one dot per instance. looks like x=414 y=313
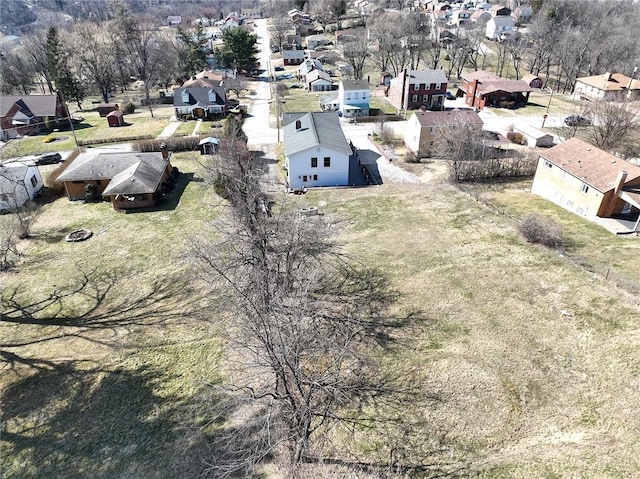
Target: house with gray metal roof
x=316 y=150
x=128 y=179
x=207 y=103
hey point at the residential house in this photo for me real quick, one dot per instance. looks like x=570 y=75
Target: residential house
x=316 y=151
x=481 y=88
x=385 y=79
x=414 y=89
x=251 y=13
x=480 y=16
x=173 y=20
x=590 y=183
x=534 y=81
x=607 y=87
x=19 y=182
x=318 y=80
x=129 y=180
x=324 y=57
x=424 y=127
x=500 y=27
x=292 y=57
x=354 y=96
x=197 y=102
x=499 y=11
x=522 y=13
x=308 y=65
x=534 y=136
x=314 y=41
x=460 y=17
x=105 y=108
x=27 y=114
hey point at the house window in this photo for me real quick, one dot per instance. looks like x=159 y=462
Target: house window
x=348 y=96
x=411 y=87
x=314 y=162
x=421 y=86
x=364 y=95
x=34 y=181
x=569 y=203
x=437 y=86
x=304 y=177
x=78 y=182
x=584 y=188
x=425 y=97
x=315 y=177
x=414 y=98
x=548 y=164
x=327 y=162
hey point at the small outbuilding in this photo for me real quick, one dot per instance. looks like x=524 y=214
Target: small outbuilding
x=209 y=145
x=534 y=136
x=534 y=81
x=115 y=118
x=105 y=108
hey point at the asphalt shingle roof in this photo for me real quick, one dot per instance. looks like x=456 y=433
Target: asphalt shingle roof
x=590 y=164
x=199 y=96
x=39 y=105
x=316 y=129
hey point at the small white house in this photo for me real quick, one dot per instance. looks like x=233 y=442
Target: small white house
x=19 y=183
x=315 y=41
x=534 y=136
x=499 y=27
x=354 y=96
x=316 y=150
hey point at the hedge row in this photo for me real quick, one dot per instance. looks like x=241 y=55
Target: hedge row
x=124 y=139
x=175 y=143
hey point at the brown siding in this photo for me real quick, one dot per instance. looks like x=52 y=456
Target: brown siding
x=142 y=201
x=75 y=190
x=612 y=204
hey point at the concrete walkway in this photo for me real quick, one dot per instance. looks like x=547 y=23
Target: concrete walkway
x=170 y=129
x=196 y=128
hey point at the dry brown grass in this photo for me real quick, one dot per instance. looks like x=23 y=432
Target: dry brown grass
x=533 y=357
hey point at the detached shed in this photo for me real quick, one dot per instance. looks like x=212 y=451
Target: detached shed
x=105 y=108
x=534 y=136
x=209 y=145
x=115 y=118
x=532 y=80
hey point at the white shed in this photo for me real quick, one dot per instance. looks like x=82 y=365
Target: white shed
x=19 y=183
x=534 y=136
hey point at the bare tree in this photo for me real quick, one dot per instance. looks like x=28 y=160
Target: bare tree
x=237 y=84
x=144 y=49
x=9 y=253
x=356 y=53
x=279 y=27
x=304 y=317
x=614 y=126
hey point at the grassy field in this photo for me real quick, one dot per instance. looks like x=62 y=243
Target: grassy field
x=524 y=361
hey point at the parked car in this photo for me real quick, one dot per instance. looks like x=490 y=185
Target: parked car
x=449 y=96
x=295 y=85
x=577 y=120
x=49 y=159
x=279 y=69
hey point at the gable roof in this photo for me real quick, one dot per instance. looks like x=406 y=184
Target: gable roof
x=592 y=165
x=481 y=76
x=427 y=76
x=39 y=105
x=450 y=117
x=350 y=85
x=199 y=96
x=292 y=54
x=317 y=129
x=510 y=86
x=314 y=75
x=610 y=81
x=142 y=171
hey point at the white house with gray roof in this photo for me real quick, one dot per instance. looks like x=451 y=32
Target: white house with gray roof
x=354 y=96
x=316 y=150
x=19 y=182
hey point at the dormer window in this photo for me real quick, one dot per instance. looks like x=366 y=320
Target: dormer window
x=212 y=96
x=185 y=96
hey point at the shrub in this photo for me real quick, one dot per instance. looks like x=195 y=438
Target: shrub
x=536 y=228
x=129 y=108
x=517 y=138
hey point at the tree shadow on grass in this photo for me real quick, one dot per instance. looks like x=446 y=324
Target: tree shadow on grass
x=66 y=422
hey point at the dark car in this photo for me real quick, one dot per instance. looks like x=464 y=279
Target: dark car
x=577 y=120
x=279 y=69
x=49 y=159
x=449 y=96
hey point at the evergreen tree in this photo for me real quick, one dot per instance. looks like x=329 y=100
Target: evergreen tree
x=239 y=50
x=193 y=57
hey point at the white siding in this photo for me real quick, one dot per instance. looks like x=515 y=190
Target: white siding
x=299 y=166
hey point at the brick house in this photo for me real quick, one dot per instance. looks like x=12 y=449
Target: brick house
x=414 y=89
x=481 y=88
